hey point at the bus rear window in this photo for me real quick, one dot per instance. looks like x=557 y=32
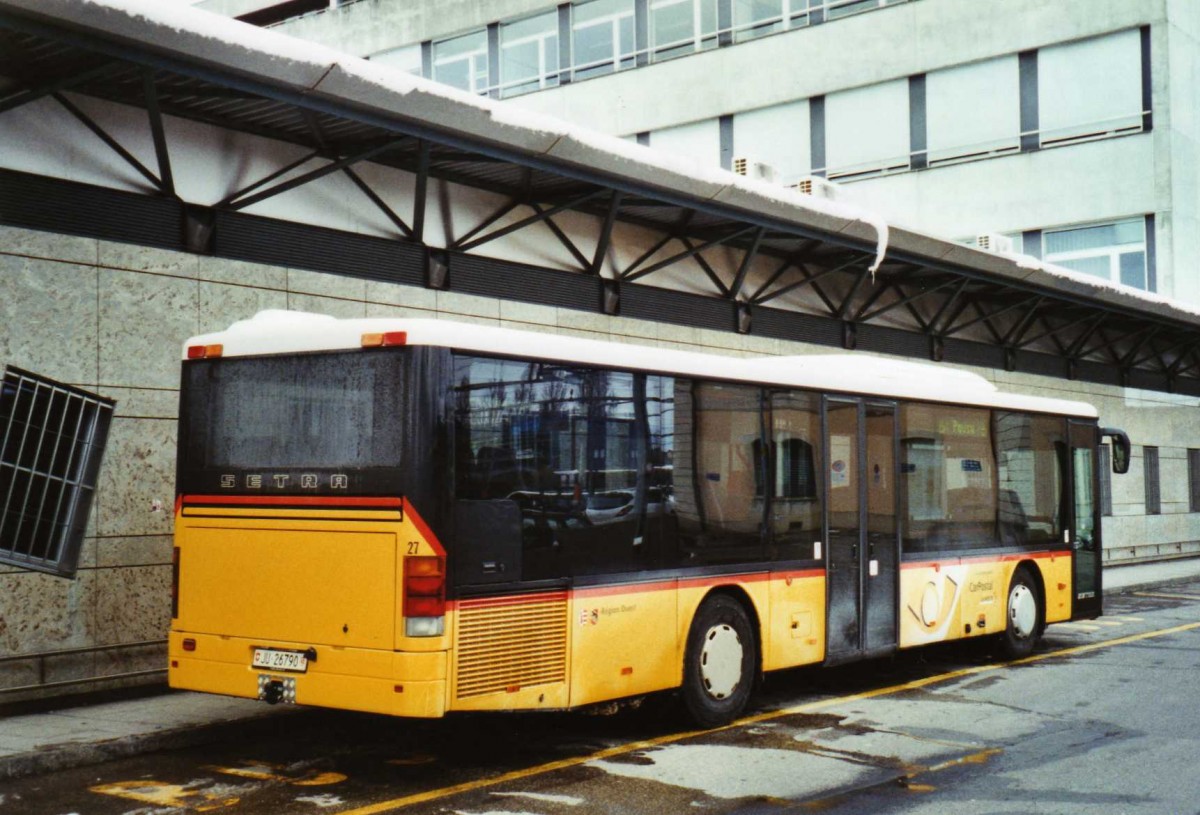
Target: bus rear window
x=328 y=411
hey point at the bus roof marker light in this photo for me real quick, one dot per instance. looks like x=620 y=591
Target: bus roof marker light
x=385 y=339
x=205 y=351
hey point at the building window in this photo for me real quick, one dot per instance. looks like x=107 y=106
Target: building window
x=699 y=140
x=1150 y=473
x=1105 y=466
x=529 y=54
x=462 y=62
x=679 y=27
x=407 y=58
x=1193 y=480
x=973 y=111
x=52 y=438
x=777 y=136
x=1090 y=89
x=602 y=38
x=866 y=130
x=757 y=18
x=844 y=8
x=1113 y=251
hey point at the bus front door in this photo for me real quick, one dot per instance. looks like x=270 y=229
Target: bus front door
x=863 y=559
x=1085 y=523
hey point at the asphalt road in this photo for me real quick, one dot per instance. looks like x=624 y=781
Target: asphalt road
x=1102 y=719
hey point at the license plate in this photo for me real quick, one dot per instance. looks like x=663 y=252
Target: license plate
x=280 y=660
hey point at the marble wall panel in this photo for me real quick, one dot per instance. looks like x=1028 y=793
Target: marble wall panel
x=385 y=310
x=453 y=304
x=137 y=551
x=144 y=320
x=221 y=305
x=136 y=258
x=327 y=305
x=133 y=604
x=128 y=660
x=138 y=469
x=242 y=273
x=39 y=612
x=326 y=285
x=50 y=245
x=19 y=673
x=144 y=403
x=48 y=318
x=396 y=294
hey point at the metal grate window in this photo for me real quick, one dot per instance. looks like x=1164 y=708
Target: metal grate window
x=1106 y=508
x=1193 y=480
x=1150 y=471
x=51 y=441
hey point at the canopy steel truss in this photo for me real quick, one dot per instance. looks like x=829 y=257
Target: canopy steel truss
x=814 y=273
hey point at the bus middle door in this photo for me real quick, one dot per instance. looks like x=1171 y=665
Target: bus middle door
x=863 y=558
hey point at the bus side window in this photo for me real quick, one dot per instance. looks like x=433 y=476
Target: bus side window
x=720 y=502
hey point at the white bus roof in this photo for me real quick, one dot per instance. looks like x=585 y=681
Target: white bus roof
x=292 y=332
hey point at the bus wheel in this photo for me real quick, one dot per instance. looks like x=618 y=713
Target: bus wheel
x=1024 y=616
x=718 y=670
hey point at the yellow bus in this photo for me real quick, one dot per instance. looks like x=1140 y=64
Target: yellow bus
x=415 y=517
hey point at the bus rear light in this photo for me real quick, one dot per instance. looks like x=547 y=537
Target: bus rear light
x=424 y=596
x=189 y=644
x=205 y=351
x=385 y=339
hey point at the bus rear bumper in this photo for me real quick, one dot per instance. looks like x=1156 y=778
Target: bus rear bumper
x=394 y=683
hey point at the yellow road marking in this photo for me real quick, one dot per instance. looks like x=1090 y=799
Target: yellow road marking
x=1167 y=595
x=808 y=707
x=162 y=794
x=261 y=772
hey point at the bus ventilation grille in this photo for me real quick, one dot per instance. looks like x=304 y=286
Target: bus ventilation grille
x=511 y=643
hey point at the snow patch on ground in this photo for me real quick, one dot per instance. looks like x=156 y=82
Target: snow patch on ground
x=568 y=800
x=740 y=772
x=324 y=800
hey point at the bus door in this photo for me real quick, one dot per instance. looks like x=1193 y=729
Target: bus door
x=863 y=558
x=1085 y=522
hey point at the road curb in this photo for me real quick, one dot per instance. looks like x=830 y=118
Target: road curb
x=69 y=756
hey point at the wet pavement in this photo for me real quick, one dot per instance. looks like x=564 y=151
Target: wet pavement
x=1100 y=719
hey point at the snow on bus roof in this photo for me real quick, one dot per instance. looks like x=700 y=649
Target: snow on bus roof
x=292 y=332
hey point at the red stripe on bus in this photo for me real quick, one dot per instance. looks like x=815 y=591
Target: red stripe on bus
x=925 y=564
x=510 y=600
x=292 y=500
x=422 y=527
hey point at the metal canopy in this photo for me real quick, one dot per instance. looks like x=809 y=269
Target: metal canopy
x=942 y=300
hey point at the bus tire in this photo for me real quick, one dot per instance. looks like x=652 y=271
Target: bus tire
x=720 y=662
x=1024 y=615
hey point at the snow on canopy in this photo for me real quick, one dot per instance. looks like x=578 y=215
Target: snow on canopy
x=207 y=38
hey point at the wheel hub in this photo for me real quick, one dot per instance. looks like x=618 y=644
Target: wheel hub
x=1022 y=611
x=721 y=661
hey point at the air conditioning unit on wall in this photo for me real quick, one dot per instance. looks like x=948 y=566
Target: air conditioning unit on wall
x=994 y=242
x=752 y=168
x=817 y=187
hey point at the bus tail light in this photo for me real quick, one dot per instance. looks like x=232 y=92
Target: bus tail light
x=175 y=583
x=424 y=596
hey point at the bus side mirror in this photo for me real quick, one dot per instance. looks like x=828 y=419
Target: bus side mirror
x=1120 y=448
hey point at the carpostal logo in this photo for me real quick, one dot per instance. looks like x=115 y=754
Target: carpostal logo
x=283 y=481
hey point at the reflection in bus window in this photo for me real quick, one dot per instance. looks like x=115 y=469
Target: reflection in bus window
x=795 y=462
x=720 y=514
x=1031 y=453
x=948 y=495
x=564 y=446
